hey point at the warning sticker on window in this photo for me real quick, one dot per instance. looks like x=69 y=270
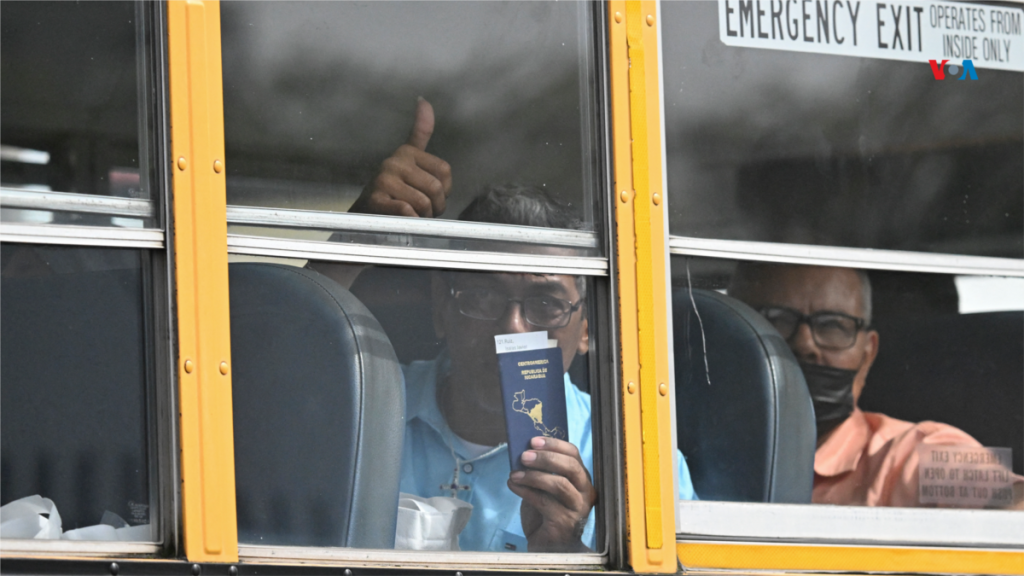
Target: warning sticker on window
x=965 y=476
x=988 y=36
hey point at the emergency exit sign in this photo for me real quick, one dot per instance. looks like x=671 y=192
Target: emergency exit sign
x=991 y=36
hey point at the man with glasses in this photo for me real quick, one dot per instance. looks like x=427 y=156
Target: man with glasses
x=455 y=442
x=863 y=458
x=455 y=412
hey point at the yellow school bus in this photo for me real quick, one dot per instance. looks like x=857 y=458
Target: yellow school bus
x=259 y=260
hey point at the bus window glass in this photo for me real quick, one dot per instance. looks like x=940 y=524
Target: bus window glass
x=74 y=373
x=786 y=123
x=456 y=97
x=890 y=388
x=74 y=146
x=395 y=426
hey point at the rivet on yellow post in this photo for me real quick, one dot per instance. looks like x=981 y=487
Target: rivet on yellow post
x=201 y=277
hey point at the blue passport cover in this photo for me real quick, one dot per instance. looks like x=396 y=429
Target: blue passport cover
x=533 y=391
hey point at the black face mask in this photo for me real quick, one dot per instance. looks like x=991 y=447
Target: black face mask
x=831 y=393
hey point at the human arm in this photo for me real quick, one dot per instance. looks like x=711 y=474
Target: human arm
x=685 y=483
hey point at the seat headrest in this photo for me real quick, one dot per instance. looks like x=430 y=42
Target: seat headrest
x=744 y=415
x=319 y=412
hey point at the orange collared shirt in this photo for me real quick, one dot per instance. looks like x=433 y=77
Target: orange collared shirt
x=871 y=459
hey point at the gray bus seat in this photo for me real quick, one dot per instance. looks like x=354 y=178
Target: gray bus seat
x=965 y=370
x=319 y=412
x=749 y=434
x=73 y=374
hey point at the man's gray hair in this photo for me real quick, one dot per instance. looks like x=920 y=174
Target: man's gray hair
x=523 y=205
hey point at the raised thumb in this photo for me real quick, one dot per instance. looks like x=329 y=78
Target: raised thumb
x=423 y=126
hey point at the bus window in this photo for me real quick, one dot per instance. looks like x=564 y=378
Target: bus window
x=85 y=316
x=786 y=123
x=318 y=94
x=460 y=474
x=76 y=122
x=431 y=168
x=75 y=394
x=434 y=474
x=881 y=388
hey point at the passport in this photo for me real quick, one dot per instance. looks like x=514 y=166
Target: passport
x=532 y=390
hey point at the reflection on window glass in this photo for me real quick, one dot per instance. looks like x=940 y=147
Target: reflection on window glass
x=842 y=150
x=914 y=403
x=455 y=96
x=73 y=376
x=70 y=93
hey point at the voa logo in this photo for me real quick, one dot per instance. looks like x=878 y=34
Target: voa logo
x=939 y=69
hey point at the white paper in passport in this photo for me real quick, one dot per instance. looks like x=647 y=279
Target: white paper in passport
x=504 y=343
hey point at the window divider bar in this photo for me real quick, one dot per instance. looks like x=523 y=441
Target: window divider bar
x=803 y=523
x=253 y=554
x=106 y=236
x=849 y=257
x=346 y=222
x=416 y=257
x=74 y=202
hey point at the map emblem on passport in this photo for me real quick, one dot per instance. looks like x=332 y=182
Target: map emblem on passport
x=532 y=390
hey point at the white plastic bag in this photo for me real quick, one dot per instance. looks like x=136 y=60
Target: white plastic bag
x=108 y=533
x=30 y=517
x=111 y=528
x=430 y=523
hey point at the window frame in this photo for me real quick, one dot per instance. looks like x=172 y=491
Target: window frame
x=158 y=276
x=719 y=535
x=602 y=359
x=255 y=244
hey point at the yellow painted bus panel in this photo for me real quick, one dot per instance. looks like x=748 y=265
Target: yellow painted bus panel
x=201 y=276
x=697 y=555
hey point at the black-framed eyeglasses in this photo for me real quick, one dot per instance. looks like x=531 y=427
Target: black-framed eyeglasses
x=831 y=330
x=540 y=311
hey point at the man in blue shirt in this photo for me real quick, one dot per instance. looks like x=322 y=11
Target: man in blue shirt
x=455 y=441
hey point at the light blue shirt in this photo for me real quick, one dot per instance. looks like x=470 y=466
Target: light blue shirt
x=427 y=464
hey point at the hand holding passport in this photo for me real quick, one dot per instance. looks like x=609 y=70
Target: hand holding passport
x=547 y=472
x=532 y=390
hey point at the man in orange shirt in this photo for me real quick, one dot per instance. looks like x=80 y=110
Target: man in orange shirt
x=863 y=458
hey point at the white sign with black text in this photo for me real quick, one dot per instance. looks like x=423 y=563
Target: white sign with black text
x=989 y=36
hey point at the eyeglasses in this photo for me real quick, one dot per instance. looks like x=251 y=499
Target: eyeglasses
x=540 y=311
x=831 y=330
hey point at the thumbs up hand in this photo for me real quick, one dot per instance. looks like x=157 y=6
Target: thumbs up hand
x=410 y=182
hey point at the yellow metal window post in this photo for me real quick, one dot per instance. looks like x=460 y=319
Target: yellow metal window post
x=200 y=245
x=643 y=300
